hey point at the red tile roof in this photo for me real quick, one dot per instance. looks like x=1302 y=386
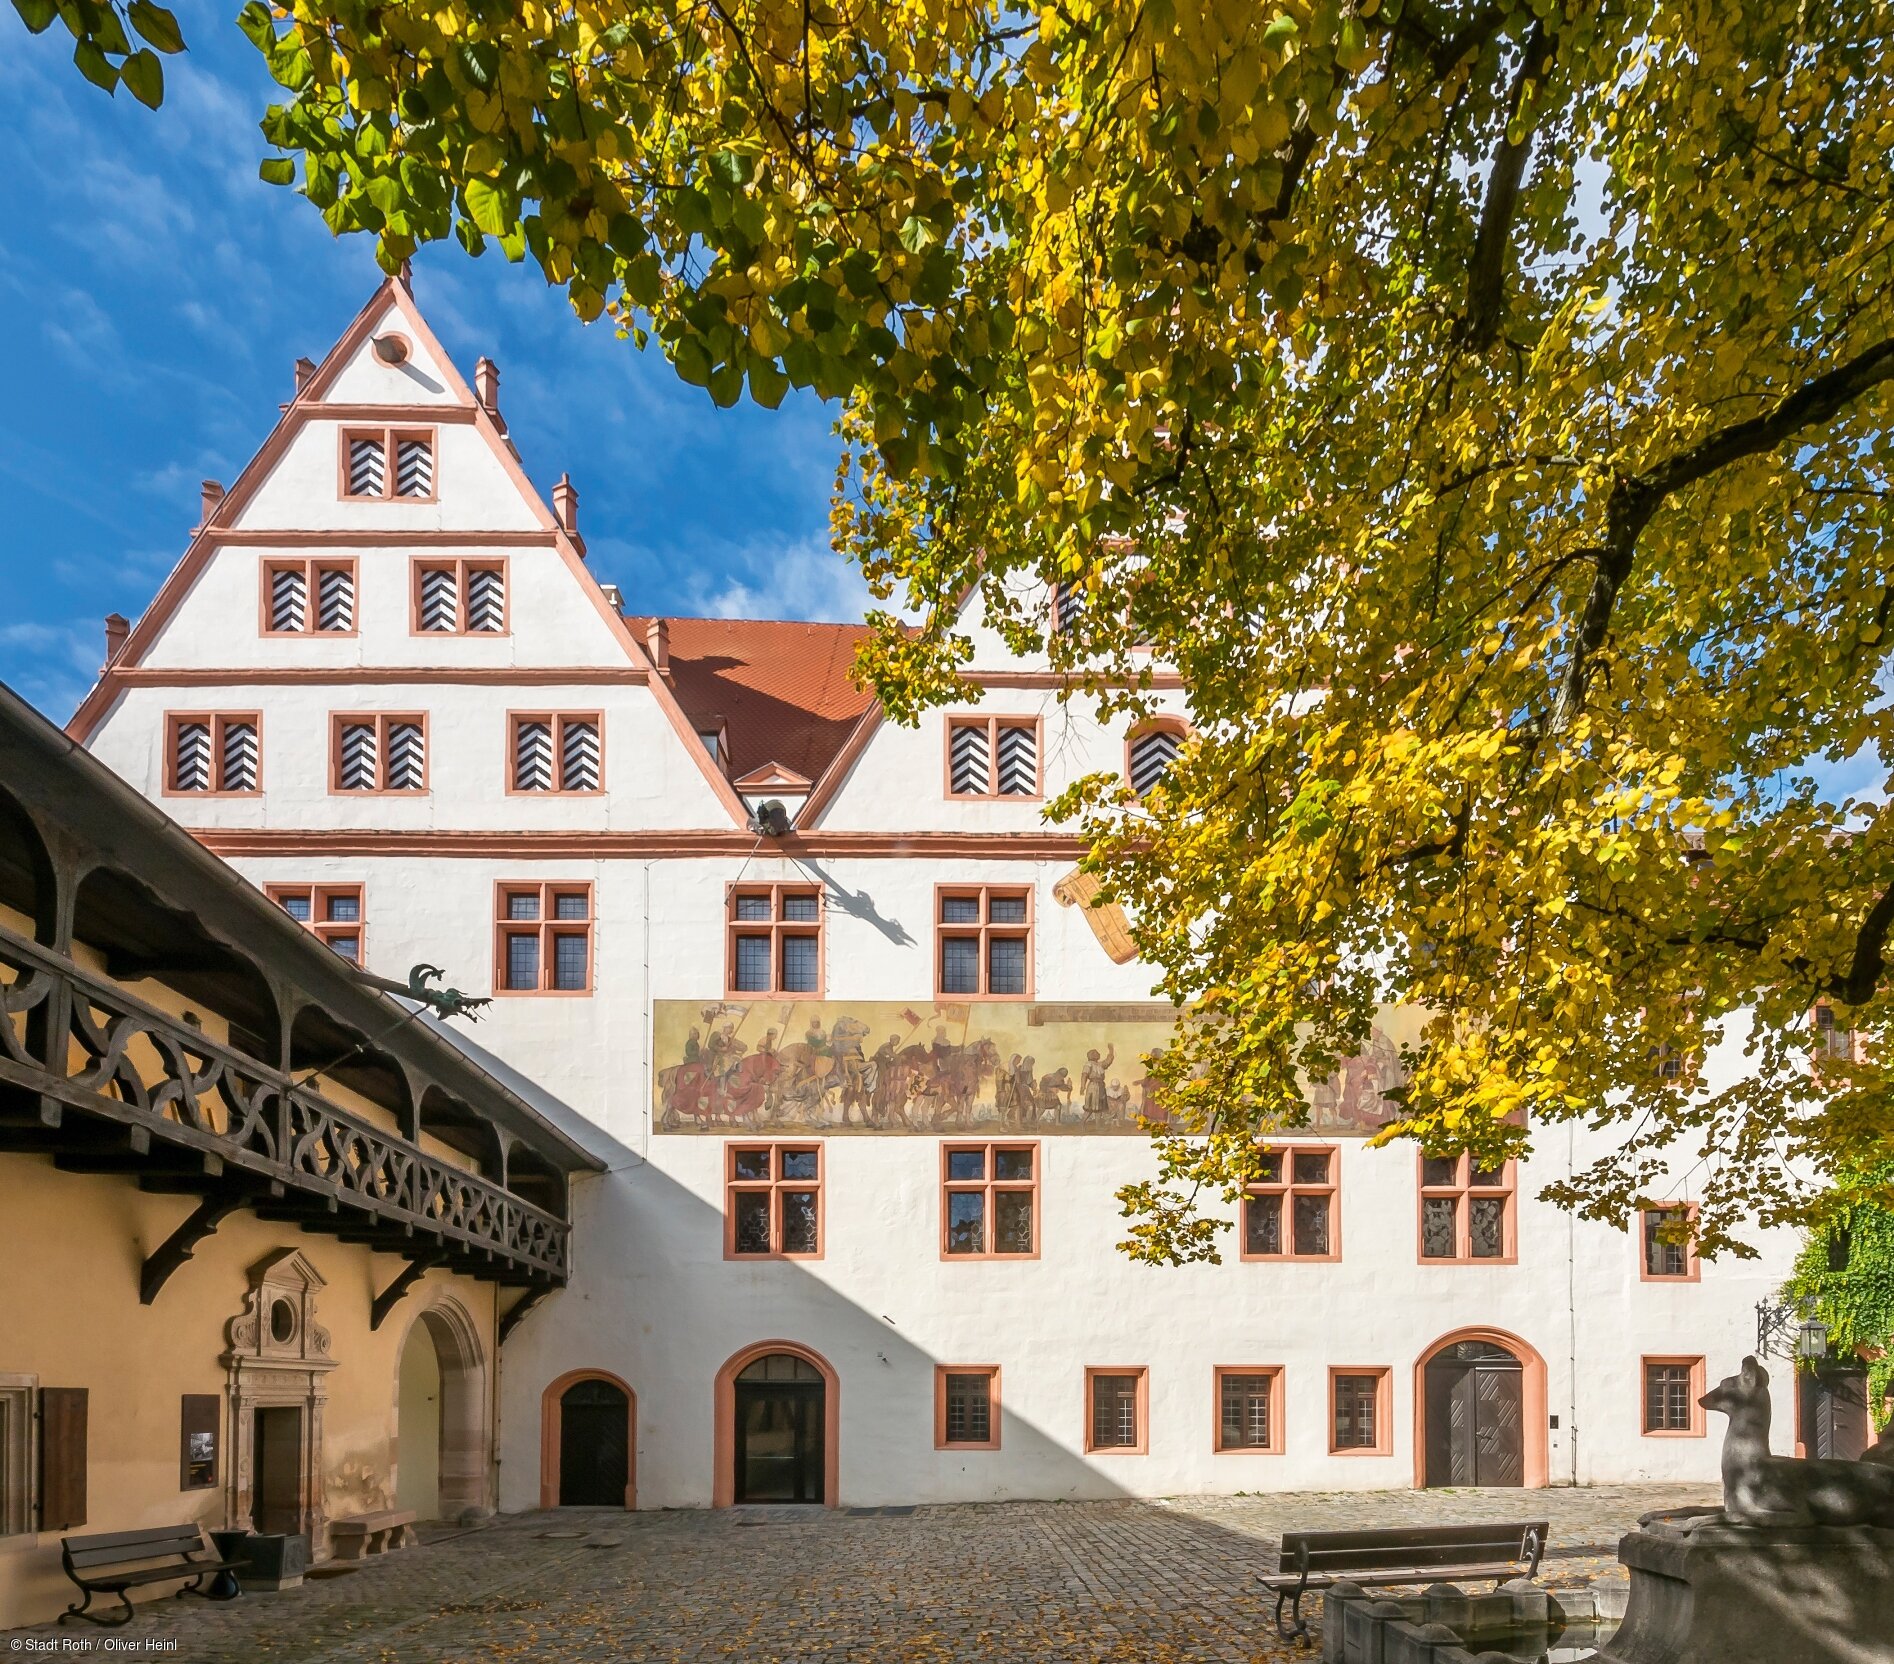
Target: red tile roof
x=783 y=690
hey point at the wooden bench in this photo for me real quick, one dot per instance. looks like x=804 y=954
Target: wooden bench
x=1405 y=1554
x=359 y=1535
x=113 y=1562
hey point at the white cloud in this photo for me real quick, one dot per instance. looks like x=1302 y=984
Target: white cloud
x=52 y=664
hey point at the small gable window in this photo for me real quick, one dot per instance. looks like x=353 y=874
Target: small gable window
x=557 y=753
x=379 y=754
x=993 y=756
x=1149 y=755
x=213 y=754
x=308 y=597
x=460 y=598
x=379 y=464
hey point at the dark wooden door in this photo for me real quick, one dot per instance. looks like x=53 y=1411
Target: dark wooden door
x=1475 y=1421
x=779 y=1441
x=276 y=1470
x=1832 y=1406
x=594 y=1445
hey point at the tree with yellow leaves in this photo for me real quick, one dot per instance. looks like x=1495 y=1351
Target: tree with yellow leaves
x=1483 y=405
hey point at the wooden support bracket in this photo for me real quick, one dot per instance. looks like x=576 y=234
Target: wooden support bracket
x=391 y=1296
x=179 y=1245
x=520 y=1308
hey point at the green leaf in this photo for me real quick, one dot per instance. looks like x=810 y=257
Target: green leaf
x=692 y=361
x=1279 y=34
x=156 y=25
x=92 y=65
x=486 y=207
x=145 y=76
x=36 y=14
x=767 y=383
x=258 y=27
x=917 y=235
x=726 y=385
x=692 y=211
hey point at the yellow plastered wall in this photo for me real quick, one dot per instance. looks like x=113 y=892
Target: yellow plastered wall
x=69 y=1315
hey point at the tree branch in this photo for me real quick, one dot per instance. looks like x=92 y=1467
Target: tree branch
x=1636 y=498
x=1870 y=958
x=1486 y=271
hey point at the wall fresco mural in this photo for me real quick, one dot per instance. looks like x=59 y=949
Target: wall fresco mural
x=884 y=1066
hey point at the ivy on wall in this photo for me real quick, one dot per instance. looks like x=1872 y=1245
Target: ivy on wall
x=1855 y=1300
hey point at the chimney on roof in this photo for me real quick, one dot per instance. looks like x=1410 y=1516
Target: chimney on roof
x=614 y=596
x=210 y=494
x=657 y=637
x=117 y=628
x=305 y=368
x=565 y=504
x=487 y=385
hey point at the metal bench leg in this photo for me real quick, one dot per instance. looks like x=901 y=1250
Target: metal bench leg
x=1299 y=1630
x=104 y=1620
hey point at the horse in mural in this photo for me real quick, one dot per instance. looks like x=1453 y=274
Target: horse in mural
x=820 y=1067
x=699 y=1092
x=944 y=1081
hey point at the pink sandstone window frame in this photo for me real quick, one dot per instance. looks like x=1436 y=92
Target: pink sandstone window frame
x=383 y=721
x=1693 y=1270
x=556 y=721
x=1272 y=1373
x=1383 y=1376
x=311 y=566
x=984 y=930
x=774 y=1186
x=1141 y=1410
x=461 y=566
x=993 y=725
x=1693 y=1390
x=323 y=929
x=216 y=721
x=546 y=927
x=1288 y=1188
x=1465 y=1192
x=992 y=1374
x=776 y=927
x=390 y=438
x=989 y=1187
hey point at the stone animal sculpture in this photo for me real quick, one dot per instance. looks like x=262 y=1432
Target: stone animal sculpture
x=1763 y=1489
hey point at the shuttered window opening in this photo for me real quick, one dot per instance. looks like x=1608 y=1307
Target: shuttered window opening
x=382 y=463
x=1068 y=605
x=305 y=596
x=1152 y=754
x=968 y=760
x=214 y=753
x=414 y=468
x=289 y=598
x=368 y=465
x=557 y=753
x=16 y=1450
x=486 y=600
x=460 y=597
x=992 y=756
x=379 y=754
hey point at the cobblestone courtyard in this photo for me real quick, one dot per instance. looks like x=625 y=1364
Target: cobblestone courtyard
x=1170 y=1582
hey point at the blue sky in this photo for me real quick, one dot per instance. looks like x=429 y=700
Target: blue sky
x=154 y=294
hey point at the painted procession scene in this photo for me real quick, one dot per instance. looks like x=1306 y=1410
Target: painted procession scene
x=925 y=1067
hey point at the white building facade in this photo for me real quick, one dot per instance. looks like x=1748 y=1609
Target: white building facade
x=857 y=1241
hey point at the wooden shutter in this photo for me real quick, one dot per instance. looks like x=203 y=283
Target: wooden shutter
x=62 y=1464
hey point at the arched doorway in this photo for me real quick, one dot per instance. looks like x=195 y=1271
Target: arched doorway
x=588 y=1442
x=418 y=1426
x=1480 y=1404
x=442 y=1444
x=778 y=1420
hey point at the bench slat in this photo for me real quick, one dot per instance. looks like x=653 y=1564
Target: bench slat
x=1419 y=1536
x=155 y=1574
x=1392 y=1574
x=135 y=1556
x=132 y=1539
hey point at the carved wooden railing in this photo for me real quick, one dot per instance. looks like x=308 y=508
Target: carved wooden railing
x=82 y=1041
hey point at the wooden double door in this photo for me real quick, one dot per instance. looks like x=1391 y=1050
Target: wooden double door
x=1475 y=1416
